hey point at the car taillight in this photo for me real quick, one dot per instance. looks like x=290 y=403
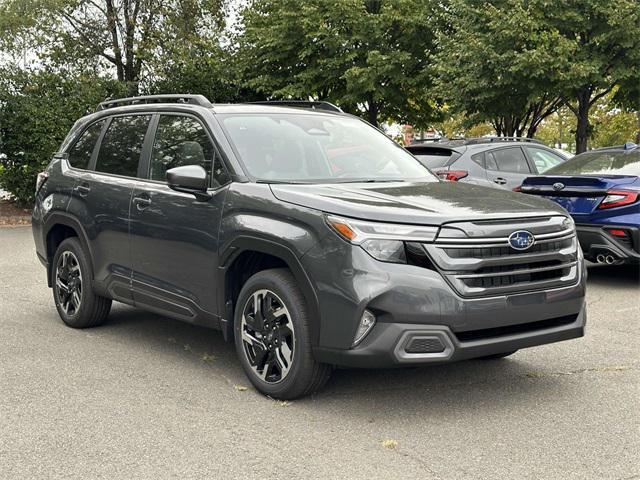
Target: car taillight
x=451 y=175
x=518 y=188
x=618 y=198
x=42 y=178
x=617 y=232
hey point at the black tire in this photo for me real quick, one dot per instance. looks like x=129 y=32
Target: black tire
x=497 y=356
x=304 y=375
x=92 y=309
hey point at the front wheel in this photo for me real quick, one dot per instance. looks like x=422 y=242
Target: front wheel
x=272 y=337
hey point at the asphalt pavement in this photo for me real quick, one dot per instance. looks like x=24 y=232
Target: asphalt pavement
x=148 y=397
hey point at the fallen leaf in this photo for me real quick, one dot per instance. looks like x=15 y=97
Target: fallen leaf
x=390 y=444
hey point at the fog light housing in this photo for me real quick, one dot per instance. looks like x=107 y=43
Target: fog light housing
x=367 y=321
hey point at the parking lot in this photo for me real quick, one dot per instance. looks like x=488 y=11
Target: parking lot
x=149 y=397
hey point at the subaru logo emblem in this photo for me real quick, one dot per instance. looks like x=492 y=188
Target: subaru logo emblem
x=558 y=186
x=521 y=240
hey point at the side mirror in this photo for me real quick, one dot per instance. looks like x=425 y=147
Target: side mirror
x=189 y=179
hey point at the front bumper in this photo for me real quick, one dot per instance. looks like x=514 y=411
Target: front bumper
x=410 y=301
x=387 y=344
x=595 y=240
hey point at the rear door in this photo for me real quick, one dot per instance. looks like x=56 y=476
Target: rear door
x=174 y=237
x=507 y=167
x=101 y=200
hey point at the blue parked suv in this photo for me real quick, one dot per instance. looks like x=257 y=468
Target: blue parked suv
x=601 y=191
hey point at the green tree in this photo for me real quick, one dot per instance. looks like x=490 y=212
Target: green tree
x=602 y=45
x=37 y=109
x=127 y=35
x=363 y=55
x=496 y=62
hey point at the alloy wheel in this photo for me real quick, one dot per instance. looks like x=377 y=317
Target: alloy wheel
x=68 y=283
x=268 y=337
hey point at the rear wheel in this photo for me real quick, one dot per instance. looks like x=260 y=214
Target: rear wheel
x=272 y=337
x=77 y=304
x=497 y=356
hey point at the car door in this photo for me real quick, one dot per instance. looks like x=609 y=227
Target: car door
x=174 y=236
x=543 y=159
x=507 y=167
x=101 y=199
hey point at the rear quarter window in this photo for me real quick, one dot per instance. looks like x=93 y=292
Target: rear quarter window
x=80 y=153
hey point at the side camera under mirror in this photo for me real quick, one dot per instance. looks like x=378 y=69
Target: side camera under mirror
x=189 y=179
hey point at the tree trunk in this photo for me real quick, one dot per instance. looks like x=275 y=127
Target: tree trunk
x=509 y=128
x=582 y=127
x=372 y=111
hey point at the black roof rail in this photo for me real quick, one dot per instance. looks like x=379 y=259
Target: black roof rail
x=478 y=140
x=313 y=105
x=200 y=100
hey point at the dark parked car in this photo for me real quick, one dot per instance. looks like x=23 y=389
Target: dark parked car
x=601 y=191
x=502 y=162
x=307 y=236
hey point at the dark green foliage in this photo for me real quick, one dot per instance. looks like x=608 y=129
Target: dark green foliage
x=362 y=55
x=36 y=112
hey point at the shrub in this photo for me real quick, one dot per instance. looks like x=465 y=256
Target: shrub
x=37 y=109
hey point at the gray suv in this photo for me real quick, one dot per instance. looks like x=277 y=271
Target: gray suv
x=305 y=235
x=499 y=162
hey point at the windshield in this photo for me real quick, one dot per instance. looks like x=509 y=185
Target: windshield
x=604 y=162
x=286 y=147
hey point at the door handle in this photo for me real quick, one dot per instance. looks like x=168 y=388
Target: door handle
x=83 y=190
x=500 y=181
x=141 y=202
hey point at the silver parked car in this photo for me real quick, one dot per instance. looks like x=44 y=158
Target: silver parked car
x=502 y=162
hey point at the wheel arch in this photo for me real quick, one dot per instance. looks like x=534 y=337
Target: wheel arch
x=58 y=227
x=248 y=255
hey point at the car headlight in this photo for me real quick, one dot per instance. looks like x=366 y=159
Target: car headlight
x=568 y=223
x=383 y=241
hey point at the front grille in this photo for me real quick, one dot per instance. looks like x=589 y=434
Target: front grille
x=478 y=261
x=482 y=334
x=491 y=252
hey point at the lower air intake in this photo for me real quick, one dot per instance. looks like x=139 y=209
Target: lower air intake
x=424 y=345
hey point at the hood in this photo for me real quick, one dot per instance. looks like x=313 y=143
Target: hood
x=432 y=203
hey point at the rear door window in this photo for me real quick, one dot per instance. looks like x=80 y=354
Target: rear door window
x=544 y=159
x=507 y=160
x=80 y=153
x=182 y=140
x=121 y=145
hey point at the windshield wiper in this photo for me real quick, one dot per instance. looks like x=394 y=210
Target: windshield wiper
x=368 y=180
x=291 y=182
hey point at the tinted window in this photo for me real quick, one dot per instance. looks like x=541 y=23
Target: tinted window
x=305 y=147
x=479 y=159
x=80 y=153
x=507 y=160
x=432 y=158
x=183 y=141
x=544 y=159
x=121 y=146
x=610 y=163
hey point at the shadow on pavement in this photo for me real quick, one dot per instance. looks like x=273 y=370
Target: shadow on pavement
x=613 y=275
x=464 y=385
